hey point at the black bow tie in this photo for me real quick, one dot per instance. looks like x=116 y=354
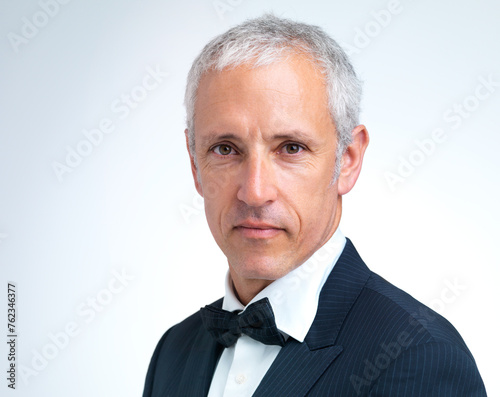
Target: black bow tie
x=256 y=321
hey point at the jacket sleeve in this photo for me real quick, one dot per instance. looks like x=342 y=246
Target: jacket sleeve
x=431 y=370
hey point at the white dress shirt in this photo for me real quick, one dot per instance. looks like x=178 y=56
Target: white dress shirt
x=294 y=299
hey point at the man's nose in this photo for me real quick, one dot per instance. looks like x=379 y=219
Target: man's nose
x=257 y=186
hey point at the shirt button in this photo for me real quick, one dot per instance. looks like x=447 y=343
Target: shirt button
x=240 y=379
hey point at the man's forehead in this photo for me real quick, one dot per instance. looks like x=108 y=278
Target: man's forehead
x=251 y=74
x=289 y=83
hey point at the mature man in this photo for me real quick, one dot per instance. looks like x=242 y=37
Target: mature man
x=275 y=143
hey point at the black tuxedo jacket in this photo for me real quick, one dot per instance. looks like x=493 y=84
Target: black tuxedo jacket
x=368 y=339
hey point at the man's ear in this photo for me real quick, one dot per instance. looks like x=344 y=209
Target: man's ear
x=194 y=170
x=353 y=159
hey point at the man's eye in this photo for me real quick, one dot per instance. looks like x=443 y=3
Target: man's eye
x=223 y=150
x=292 y=148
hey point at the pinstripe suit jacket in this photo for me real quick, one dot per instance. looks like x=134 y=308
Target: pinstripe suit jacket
x=368 y=339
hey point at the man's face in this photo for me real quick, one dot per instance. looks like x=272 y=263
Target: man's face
x=265 y=149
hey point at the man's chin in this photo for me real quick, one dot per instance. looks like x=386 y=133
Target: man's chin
x=266 y=269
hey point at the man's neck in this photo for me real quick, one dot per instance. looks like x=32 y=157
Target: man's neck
x=251 y=289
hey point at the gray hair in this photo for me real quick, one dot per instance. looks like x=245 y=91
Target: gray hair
x=268 y=39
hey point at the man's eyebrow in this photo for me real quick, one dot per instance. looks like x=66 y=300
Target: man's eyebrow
x=216 y=136
x=293 y=135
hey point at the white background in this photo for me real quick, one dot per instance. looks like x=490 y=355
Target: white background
x=130 y=206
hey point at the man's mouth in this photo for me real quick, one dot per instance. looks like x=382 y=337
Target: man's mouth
x=258 y=230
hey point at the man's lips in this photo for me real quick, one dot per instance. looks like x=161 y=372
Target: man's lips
x=258 y=229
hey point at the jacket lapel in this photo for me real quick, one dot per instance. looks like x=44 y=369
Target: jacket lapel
x=200 y=364
x=299 y=365
x=296 y=369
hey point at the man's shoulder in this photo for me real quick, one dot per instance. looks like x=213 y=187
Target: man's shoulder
x=387 y=334
x=187 y=336
x=394 y=311
x=395 y=335
x=380 y=310
x=186 y=345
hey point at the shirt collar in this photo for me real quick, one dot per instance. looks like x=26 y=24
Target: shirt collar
x=294 y=297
